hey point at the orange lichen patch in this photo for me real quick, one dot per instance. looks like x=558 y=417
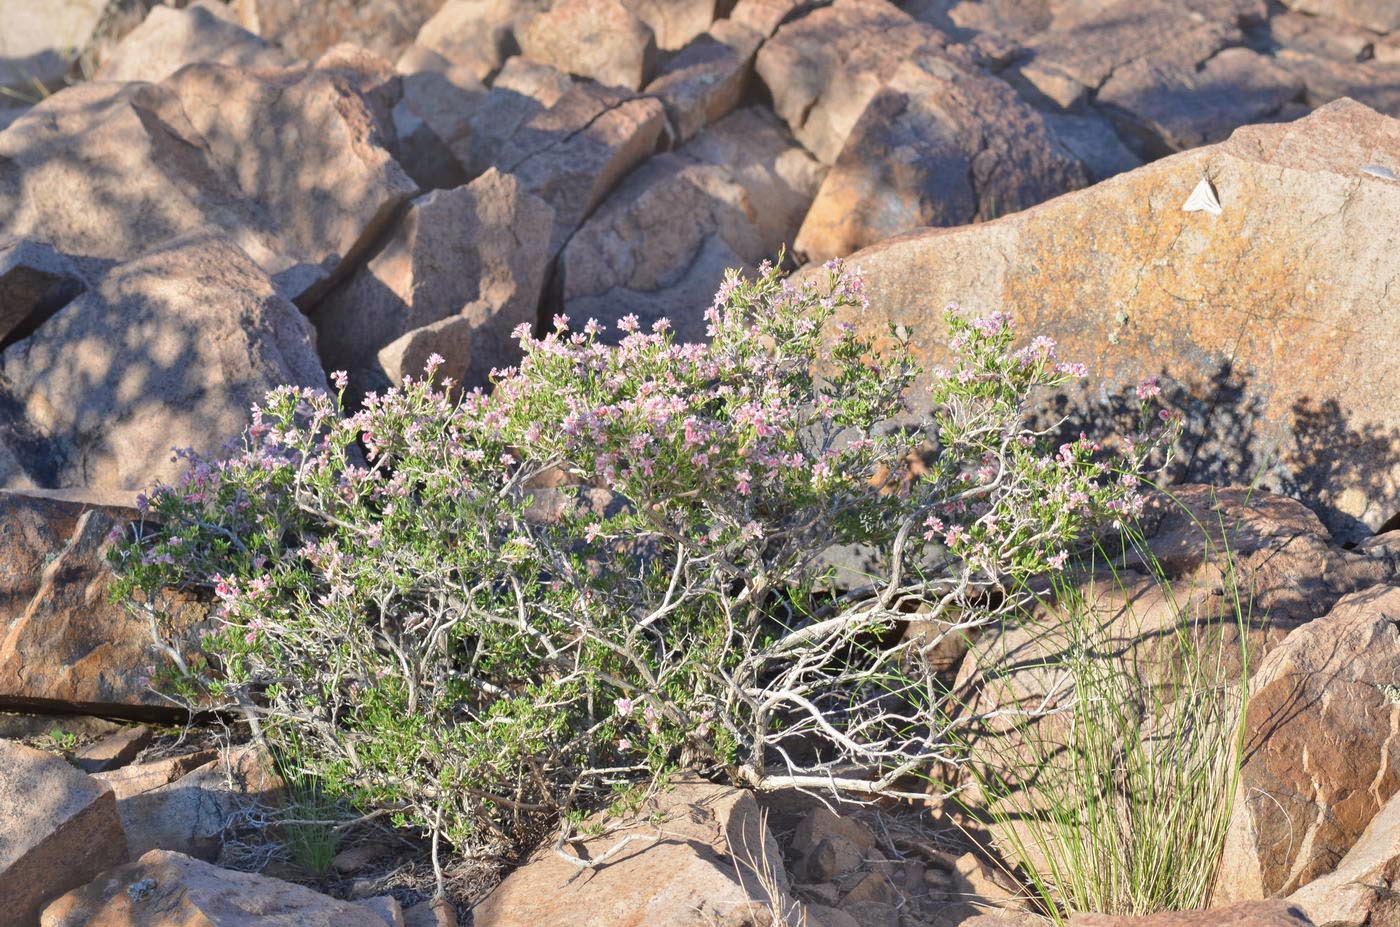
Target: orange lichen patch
x=1249 y=313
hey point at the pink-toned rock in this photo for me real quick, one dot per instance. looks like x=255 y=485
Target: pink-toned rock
x=697 y=867
x=138 y=778
x=1168 y=37
x=369 y=76
x=331 y=183
x=522 y=91
x=1320 y=759
x=1358 y=892
x=743 y=187
x=765 y=16
x=1387 y=51
x=473 y=258
x=115 y=750
x=478 y=35
x=675 y=22
x=1015 y=20
x=1373 y=83
x=707 y=79
x=387 y=908
x=168 y=39
x=1326 y=37
x=190 y=814
x=306 y=28
x=41 y=40
x=34 y=529
x=170 y=350
x=436 y=913
x=599 y=39
x=824 y=68
x=49 y=193
x=939 y=145
x=63 y=643
x=291 y=164
x=165 y=889
x=1172 y=108
x=1247 y=914
x=572 y=151
x=1375 y=15
x=58 y=829
x=1262 y=392
x=1092 y=140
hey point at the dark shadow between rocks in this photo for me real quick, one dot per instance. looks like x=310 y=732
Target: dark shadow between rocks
x=1316 y=455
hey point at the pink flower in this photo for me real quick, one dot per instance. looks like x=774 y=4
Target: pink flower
x=1148 y=388
x=623 y=706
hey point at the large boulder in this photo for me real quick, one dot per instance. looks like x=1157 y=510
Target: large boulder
x=1175 y=108
x=169 y=39
x=703 y=857
x=1359 y=892
x=568 y=142
x=34 y=529
x=478 y=35
x=1376 y=15
x=1082 y=53
x=1244 y=314
x=707 y=79
x=824 y=68
x=170 y=351
x=41 y=40
x=938 y=145
x=167 y=889
x=598 y=39
x=1328 y=38
x=289 y=163
x=307 y=28
x=1374 y=83
x=307 y=147
x=743 y=187
x=1320 y=758
x=474 y=258
x=63 y=643
x=58 y=829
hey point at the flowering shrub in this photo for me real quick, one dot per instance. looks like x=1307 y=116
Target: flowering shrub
x=485 y=612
